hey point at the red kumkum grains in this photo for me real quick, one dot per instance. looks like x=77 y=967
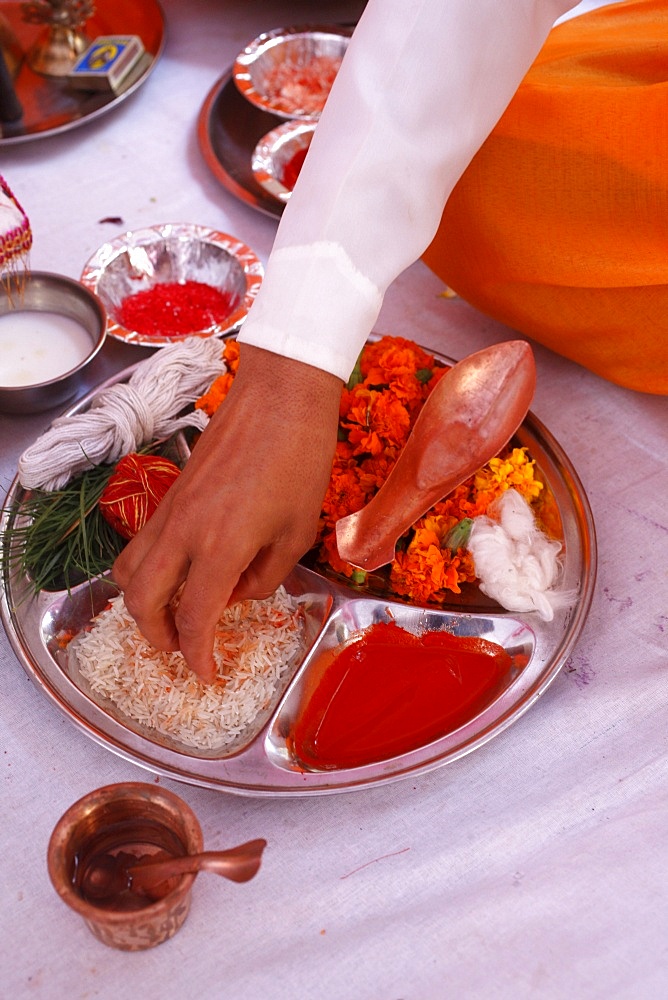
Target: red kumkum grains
x=175 y=309
x=291 y=85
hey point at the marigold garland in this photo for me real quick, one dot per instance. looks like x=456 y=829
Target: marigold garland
x=378 y=409
x=219 y=389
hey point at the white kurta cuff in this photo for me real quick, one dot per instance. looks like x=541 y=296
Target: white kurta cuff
x=320 y=319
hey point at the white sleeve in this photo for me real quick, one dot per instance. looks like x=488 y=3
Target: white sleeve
x=421 y=86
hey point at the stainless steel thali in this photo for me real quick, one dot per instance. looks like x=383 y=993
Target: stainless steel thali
x=265 y=766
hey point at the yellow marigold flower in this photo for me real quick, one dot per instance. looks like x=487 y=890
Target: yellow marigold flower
x=439 y=525
x=515 y=470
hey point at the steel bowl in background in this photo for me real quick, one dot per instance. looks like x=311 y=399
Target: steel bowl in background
x=277 y=157
x=173 y=253
x=51 y=329
x=289 y=71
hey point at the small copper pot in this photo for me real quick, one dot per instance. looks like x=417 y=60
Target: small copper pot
x=105 y=820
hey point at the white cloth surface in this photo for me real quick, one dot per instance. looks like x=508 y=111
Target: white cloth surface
x=534 y=867
x=421 y=86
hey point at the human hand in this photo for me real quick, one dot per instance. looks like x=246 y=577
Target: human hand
x=243 y=511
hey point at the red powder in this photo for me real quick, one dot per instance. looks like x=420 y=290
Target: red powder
x=175 y=309
x=292 y=168
x=390 y=692
x=295 y=87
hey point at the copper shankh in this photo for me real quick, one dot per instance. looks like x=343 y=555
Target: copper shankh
x=471 y=414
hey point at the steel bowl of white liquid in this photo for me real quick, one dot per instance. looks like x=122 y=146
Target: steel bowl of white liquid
x=51 y=328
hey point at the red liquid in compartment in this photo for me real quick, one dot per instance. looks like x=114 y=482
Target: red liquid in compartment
x=391 y=692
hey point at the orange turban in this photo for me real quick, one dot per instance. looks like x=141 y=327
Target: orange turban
x=559 y=226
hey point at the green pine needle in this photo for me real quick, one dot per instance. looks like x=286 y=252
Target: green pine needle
x=58 y=539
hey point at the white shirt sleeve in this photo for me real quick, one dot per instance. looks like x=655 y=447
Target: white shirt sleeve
x=421 y=87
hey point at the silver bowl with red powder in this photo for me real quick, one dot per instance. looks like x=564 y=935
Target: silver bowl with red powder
x=278 y=156
x=170 y=281
x=289 y=71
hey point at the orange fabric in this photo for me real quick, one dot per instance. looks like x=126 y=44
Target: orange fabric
x=559 y=226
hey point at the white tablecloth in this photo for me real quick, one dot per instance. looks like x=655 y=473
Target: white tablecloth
x=534 y=867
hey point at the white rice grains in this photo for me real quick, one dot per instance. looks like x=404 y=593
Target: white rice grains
x=256 y=641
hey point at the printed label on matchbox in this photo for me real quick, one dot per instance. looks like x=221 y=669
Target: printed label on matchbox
x=106 y=62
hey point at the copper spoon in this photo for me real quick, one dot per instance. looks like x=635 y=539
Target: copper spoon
x=107 y=875
x=471 y=414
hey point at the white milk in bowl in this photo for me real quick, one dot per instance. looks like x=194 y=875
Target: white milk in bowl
x=36 y=347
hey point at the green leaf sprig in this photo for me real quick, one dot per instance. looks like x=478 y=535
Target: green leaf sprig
x=58 y=539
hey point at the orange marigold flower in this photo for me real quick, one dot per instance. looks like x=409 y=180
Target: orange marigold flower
x=462 y=502
x=400 y=367
x=212 y=399
x=451 y=576
x=391 y=355
x=376 y=422
x=343 y=453
x=439 y=524
x=365 y=442
x=344 y=494
x=408 y=388
x=355 y=404
x=374 y=471
x=231 y=354
x=419 y=572
x=348 y=400
x=330 y=554
x=465 y=567
x=427 y=570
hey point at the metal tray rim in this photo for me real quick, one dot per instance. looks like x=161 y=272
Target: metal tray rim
x=250 y=772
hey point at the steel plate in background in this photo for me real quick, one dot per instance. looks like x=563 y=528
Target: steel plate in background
x=49 y=104
x=265 y=765
x=228 y=129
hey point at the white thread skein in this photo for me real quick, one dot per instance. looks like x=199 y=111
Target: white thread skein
x=127 y=415
x=516 y=563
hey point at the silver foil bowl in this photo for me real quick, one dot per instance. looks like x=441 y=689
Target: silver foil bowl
x=273 y=154
x=275 y=71
x=174 y=252
x=43 y=292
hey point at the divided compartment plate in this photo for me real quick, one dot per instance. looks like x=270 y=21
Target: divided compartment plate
x=261 y=762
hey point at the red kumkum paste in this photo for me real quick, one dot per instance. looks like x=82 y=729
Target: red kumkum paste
x=390 y=692
x=175 y=309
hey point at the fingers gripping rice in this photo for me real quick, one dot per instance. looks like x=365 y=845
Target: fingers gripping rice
x=256 y=642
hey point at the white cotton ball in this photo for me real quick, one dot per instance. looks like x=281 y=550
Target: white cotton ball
x=517 y=564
